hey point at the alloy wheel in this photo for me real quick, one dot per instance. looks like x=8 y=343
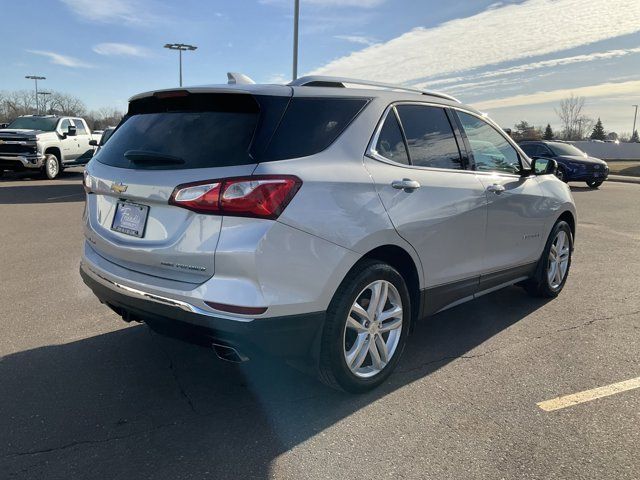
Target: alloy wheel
x=373 y=328
x=558 y=262
x=52 y=166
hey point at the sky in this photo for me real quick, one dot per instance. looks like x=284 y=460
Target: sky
x=514 y=60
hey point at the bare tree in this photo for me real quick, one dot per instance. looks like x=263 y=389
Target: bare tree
x=103 y=118
x=16 y=103
x=585 y=126
x=23 y=102
x=574 y=123
x=63 y=104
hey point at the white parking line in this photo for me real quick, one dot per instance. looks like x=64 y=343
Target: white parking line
x=588 y=395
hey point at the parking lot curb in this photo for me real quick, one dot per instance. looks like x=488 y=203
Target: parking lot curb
x=623 y=179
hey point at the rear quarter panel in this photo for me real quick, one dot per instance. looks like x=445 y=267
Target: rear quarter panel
x=338 y=201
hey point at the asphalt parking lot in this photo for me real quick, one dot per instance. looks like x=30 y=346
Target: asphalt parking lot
x=84 y=395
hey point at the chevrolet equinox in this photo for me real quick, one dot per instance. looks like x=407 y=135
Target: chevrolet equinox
x=315 y=221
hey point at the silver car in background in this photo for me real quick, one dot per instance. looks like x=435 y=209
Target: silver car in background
x=316 y=221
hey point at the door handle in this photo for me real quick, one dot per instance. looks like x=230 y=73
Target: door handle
x=405 y=184
x=496 y=188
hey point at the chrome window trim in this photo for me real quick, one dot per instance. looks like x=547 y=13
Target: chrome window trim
x=371 y=149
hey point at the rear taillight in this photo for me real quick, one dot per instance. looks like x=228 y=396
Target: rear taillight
x=262 y=196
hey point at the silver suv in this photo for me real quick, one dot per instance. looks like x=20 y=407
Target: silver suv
x=315 y=221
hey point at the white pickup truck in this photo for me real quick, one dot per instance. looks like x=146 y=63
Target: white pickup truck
x=45 y=143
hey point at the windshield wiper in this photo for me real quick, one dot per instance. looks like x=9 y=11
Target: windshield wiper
x=152 y=158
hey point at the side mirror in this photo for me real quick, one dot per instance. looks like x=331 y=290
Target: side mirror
x=93 y=143
x=71 y=131
x=544 y=166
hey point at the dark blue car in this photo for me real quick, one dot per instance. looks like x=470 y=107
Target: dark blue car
x=573 y=164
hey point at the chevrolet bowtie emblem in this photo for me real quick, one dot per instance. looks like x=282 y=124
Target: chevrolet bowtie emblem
x=118 y=187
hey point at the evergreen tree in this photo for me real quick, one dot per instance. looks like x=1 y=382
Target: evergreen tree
x=548 y=133
x=598 y=131
x=634 y=138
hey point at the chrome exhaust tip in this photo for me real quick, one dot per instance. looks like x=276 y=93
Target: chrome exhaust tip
x=228 y=354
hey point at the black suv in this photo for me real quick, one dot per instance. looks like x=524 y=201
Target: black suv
x=574 y=165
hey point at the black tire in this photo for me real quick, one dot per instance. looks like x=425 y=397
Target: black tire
x=539 y=285
x=333 y=368
x=49 y=169
x=560 y=173
x=594 y=183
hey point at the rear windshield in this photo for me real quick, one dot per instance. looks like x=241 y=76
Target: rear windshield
x=218 y=130
x=198 y=131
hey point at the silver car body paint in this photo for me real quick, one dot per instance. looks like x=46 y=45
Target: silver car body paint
x=451 y=227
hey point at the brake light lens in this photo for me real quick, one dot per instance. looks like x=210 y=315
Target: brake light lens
x=171 y=94
x=263 y=196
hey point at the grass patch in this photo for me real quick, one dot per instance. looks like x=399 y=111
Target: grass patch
x=624 y=167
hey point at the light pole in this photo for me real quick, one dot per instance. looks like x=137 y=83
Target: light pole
x=635 y=115
x=36 y=78
x=296 y=17
x=180 y=47
x=44 y=94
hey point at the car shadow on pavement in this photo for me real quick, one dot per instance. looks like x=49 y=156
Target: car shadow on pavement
x=52 y=192
x=133 y=404
x=575 y=188
x=68 y=174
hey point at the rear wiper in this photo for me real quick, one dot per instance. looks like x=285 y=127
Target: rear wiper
x=155 y=158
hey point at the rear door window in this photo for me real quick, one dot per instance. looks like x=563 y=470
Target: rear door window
x=312 y=124
x=197 y=131
x=80 y=130
x=430 y=137
x=530 y=149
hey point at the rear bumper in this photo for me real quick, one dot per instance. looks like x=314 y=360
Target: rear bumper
x=290 y=336
x=21 y=162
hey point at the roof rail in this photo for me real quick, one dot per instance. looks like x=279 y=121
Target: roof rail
x=339 y=82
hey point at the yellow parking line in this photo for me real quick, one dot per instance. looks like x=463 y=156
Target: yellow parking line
x=588 y=395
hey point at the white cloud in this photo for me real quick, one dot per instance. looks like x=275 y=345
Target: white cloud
x=64 y=60
x=127 y=12
x=631 y=89
x=500 y=34
x=121 y=49
x=356 y=39
x=554 y=62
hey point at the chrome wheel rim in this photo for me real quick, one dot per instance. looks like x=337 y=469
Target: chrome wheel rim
x=560 y=175
x=52 y=166
x=373 y=328
x=558 y=259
